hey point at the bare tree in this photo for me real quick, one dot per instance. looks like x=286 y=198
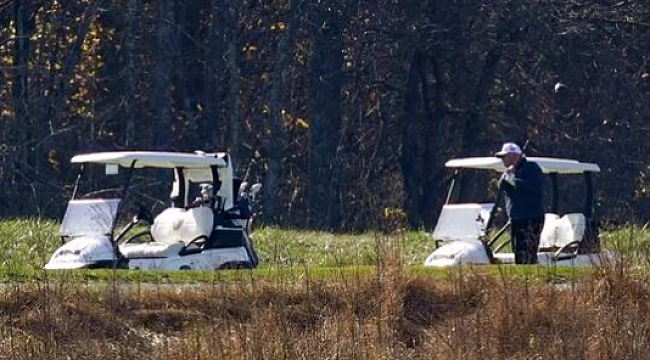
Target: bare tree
x=474 y=136
x=164 y=69
x=233 y=66
x=325 y=83
x=214 y=68
x=21 y=79
x=419 y=156
x=132 y=54
x=278 y=81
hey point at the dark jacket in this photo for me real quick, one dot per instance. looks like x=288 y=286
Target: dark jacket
x=525 y=199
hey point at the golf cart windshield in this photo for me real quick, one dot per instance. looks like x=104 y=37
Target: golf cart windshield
x=107 y=199
x=94 y=217
x=462 y=222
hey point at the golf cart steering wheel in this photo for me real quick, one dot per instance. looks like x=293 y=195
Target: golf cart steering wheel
x=199 y=242
x=144 y=214
x=105 y=194
x=139 y=235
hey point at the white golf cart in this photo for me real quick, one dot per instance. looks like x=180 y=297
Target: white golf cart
x=209 y=233
x=463 y=233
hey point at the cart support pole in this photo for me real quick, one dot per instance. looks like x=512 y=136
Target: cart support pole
x=555 y=204
x=452 y=186
x=589 y=201
x=125 y=190
x=77 y=183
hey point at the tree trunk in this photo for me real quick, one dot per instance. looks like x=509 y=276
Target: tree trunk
x=214 y=71
x=234 y=80
x=131 y=40
x=412 y=158
x=475 y=134
x=424 y=140
x=21 y=81
x=326 y=79
x=187 y=82
x=162 y=74
x=22 y=118
x=278 y=136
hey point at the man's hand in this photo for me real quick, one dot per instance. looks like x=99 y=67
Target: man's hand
x=508 y=177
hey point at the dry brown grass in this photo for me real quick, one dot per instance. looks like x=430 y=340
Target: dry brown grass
x=390 y=315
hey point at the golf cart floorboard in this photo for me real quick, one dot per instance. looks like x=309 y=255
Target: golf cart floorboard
x=546 y=258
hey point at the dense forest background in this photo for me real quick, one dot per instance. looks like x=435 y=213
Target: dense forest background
x=345 y=110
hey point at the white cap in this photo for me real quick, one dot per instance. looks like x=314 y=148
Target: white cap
x=508 y=148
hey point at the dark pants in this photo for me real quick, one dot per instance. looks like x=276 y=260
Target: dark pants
x=525 y=239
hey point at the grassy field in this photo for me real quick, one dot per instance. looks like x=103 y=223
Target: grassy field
x=27 y=244
x=323 y=296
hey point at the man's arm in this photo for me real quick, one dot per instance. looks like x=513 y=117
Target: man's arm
x=530 y=179
x=507 y=182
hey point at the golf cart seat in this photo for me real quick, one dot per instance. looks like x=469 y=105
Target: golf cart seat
x=462 y=222
x=151 y=250
x=561 y=233
x=180 y=225
x=171 y=231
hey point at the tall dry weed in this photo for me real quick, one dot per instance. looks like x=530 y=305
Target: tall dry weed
x=390 y=314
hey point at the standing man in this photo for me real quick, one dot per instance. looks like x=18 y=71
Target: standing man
x=523 y=184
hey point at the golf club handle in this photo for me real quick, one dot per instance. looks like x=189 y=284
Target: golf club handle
x=493 y=212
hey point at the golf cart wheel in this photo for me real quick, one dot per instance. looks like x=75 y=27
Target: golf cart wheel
x=236 y=265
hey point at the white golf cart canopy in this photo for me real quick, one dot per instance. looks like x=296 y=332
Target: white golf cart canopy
x=153 y=159
x=188 y=167
x=548 y=165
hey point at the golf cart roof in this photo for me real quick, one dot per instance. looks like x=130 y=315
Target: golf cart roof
x=152 y=159
x=548 y=165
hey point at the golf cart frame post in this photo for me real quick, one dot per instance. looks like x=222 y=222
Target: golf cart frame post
x=120 y=208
